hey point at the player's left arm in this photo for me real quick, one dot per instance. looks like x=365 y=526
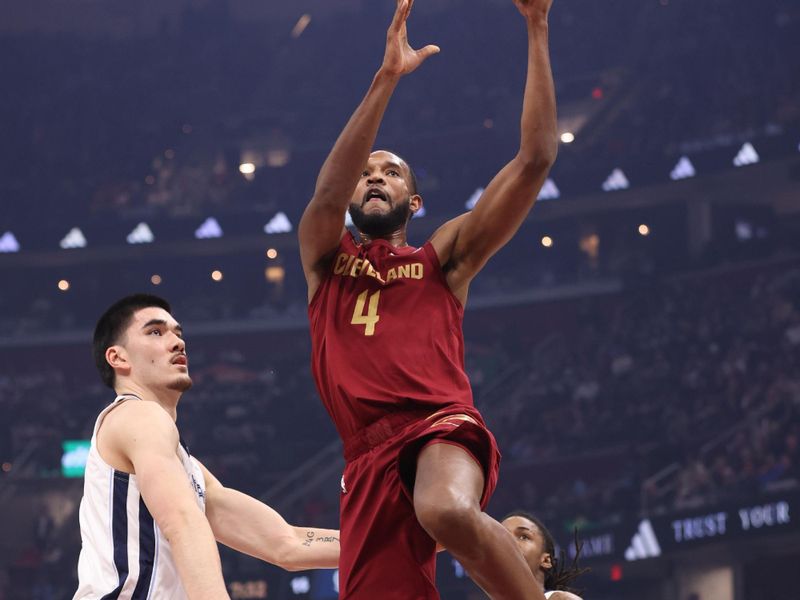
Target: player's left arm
x=243 y=523
x=467 y=242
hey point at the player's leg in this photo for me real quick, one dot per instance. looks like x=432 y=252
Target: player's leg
x=448 y=487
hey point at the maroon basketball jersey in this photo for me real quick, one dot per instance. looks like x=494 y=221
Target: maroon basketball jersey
x=386 y=335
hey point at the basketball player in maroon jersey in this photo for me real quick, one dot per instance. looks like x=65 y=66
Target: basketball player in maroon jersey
x=387 y=345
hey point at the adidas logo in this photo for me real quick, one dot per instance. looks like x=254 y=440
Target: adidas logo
x=141 y=235
x=8 y=243
x=644 y=543
x=473 y=200
x=683 y=170
x=616 y=181
x=208 y=230
x=278 y=224
x=549 y=191
x=747 y=156
x=74 y=239
x=420 y=213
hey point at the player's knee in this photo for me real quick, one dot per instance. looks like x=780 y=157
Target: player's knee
x=446 y=516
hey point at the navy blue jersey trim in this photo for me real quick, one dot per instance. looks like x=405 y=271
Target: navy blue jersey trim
x=147 y=552
x=119 y=530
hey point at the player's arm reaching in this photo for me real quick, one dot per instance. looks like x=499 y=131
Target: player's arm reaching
x=249 y=526
x=467 y=242
x=143 y=434
x=322 y=225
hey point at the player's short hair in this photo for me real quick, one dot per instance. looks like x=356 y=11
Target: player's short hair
x=412 y=176
x=559 y=577
x=112 y=325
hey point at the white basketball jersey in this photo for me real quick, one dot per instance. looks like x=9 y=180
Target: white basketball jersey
x=124 y=555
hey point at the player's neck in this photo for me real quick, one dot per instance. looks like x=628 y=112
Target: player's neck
x=165 y=398
x=396 y=238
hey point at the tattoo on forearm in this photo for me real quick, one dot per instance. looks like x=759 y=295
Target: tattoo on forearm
x=311 y=537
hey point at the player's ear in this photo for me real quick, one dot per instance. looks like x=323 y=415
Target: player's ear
x=117 y=358
x=415 y=202
x=546 y=562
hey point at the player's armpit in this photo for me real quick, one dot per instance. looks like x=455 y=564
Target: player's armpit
x=320 y=231
x=249 y=526
x=500 y=212
x=149 y=439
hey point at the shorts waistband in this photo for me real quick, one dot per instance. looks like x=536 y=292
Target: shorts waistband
x=379 y=431
x=391 y=424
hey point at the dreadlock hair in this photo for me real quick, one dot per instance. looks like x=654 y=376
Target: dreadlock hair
x=560 y=576
x=112 y=325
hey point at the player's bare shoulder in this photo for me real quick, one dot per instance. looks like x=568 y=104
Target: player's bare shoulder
x=134 y=422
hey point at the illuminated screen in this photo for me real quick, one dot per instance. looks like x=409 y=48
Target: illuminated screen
x=73 y=460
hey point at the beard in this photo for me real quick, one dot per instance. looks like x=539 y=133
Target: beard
x=180 y=384
x=378 y=225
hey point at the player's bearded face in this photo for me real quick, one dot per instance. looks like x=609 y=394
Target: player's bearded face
x=378 y=224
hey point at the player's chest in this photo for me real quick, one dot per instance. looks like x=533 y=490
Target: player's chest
x=380 y=269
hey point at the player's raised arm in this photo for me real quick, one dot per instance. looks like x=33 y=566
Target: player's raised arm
x=144 y=434
x=466 y=243
x=249 y=526
x=322 y=225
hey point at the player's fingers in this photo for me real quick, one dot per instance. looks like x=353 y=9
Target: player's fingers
x=399 y=15
x=428 y=51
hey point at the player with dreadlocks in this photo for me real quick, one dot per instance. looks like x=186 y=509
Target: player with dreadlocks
x=539 y=549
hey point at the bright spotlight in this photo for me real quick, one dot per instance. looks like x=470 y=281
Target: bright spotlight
x=272 y=253
x=567 y=137
x=644 y=230
x=547 y=241
x=247 y=168
x=63 y=285
x=216 y=275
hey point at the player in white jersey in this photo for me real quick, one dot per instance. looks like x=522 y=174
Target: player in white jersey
x=151 y=514
x=539 y=550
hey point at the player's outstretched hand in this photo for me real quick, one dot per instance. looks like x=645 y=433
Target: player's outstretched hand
x=534 y=8
x=401 y=58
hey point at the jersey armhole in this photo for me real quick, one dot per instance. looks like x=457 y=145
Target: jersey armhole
x=118 y=401
x=345 y=244
x=430 y=252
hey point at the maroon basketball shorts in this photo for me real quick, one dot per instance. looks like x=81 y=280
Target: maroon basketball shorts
x=386 y=554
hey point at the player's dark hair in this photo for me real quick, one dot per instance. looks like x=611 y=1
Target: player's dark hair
x=413 y=178
x=113 y=323
x=560 y=576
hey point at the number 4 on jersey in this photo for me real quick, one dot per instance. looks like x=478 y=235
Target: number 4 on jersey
x=370 y=318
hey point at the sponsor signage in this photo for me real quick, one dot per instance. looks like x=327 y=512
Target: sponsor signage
x=649 y=538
